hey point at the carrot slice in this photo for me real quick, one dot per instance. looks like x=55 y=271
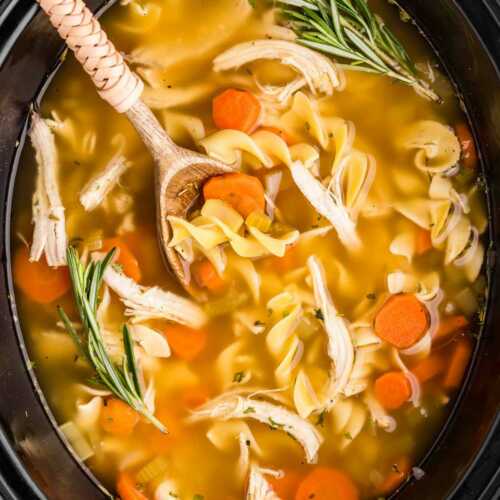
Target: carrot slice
x=326 y=483
x=127 y=488
x=423 y=241
x=186 y=343
x=275 y=130
x=118 y=418
x=205 y=276
x=124 y=257
x=41 y=283
x=287 y=485
x=236 y=109
x=429 y=368
x=392 y=389
x=402 y=321
x=243 y=192
x=285 y=263
x=469 y=152
x=143 y=244
x=399 y=472
x=195 y=396
x=450 y=326
x=458 y=364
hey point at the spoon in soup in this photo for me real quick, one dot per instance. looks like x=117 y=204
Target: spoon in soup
x=180 y=172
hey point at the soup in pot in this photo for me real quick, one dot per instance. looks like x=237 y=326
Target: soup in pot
x=335 y=275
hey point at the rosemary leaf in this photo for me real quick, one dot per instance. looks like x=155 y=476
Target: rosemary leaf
x=72 y=332
x=349 y=30
x=122 y=381
x=130 y=357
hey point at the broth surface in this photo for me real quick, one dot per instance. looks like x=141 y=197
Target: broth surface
x=185 y=36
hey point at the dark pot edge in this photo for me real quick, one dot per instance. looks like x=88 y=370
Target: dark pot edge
x=492 y=287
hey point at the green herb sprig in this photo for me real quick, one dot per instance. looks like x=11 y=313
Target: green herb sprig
x=123 y=381
x=349 y=30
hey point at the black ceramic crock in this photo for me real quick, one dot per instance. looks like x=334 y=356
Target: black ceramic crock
x=464 y=462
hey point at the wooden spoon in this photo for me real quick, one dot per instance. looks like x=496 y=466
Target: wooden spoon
x=180 y=172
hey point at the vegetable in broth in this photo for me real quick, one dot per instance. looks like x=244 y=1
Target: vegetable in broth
x=336 y=274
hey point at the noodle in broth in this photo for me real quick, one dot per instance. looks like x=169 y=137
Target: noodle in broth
x=338 y=281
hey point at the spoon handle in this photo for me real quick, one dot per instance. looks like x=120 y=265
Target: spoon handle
x=83 y=34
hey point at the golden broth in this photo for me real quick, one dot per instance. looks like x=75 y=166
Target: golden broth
x=191 y=33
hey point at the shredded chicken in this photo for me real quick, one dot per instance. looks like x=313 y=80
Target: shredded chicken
x=340 y=347
x=148 y=303
x=326 y=204
x=281 y=94
x=258 y=487
x=273 y=183
x=49 y=233
x=244 y=458
x=98 y=187
x=319 y=72
x=228 y=406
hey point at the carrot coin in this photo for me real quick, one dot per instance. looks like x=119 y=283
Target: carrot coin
x=402 y=321
x=325 y=483
x=38 y=281
x=127 y=489
x=124 y=257
x=118 y=417
x=458 y=364
x=206 y=276
x=243 y=192
x=237 y=110
x=186 y=343
x=392 y=390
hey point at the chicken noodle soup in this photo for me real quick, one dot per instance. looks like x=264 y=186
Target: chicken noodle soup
x=335 y=275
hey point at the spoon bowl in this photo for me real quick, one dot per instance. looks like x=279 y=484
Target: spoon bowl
x=180 y=175
x=178 y=187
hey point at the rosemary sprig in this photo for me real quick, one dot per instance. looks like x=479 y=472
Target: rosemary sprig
x=347 y=29
x=122 y=381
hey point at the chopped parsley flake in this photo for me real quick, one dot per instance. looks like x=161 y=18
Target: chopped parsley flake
x=321 y=419
x=318 y=314
x=117 y=267
x=348 y=435
x=249 y=410
x=76 y=241
x=198 y=497
x=371 y=296
x=238 y=377
x=274 y=424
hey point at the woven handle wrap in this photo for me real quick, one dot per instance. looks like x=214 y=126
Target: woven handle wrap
x=83 y=34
